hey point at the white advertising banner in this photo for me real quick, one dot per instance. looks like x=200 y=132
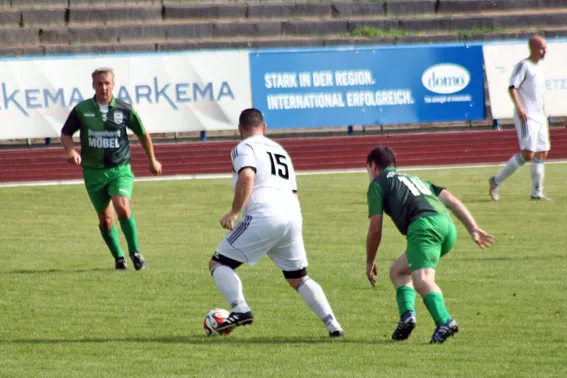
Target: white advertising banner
x=171 y=92
x=499 y=61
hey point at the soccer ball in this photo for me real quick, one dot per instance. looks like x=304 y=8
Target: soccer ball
x=213 y=319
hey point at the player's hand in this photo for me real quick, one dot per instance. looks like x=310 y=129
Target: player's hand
x=73 y=157
x=155 y=167
x=371 y=272
x=229 y=220
x=522 y=115
x=482 y=238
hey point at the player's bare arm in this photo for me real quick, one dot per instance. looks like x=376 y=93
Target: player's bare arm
x=480 y=237
x=373 y=239
x=516 y=99
x=242 y=192
x=154 y=164
x=73 y=157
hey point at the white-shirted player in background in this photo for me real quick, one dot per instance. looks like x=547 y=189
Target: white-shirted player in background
x=527 y=87
x=266 y=193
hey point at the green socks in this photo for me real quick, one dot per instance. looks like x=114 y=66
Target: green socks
x=436 y=307
x=405 y=296
x=111 y=239
x=129 y=229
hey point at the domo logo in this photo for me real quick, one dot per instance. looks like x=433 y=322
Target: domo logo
x=446 y=78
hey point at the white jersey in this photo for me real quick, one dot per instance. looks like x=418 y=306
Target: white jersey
x=274 y=183
x=529 y=79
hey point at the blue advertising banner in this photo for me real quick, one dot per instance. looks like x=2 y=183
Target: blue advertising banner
x=368 y=86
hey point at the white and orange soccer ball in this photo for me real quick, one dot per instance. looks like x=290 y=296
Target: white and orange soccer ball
x=213 y=319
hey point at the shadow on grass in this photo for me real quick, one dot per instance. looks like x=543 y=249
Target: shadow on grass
x=198 y=340
x=484 y=258
x=477 y=200
x=522 y=258
x=48 y=271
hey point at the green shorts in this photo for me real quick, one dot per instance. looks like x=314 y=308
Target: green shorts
x=429 y=238
x=102 y=184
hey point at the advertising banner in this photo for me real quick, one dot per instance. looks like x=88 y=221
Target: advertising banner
x=367 y=86
x=500 y=60
x=171 y=92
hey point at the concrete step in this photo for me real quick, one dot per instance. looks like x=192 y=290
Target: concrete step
x=27 y=42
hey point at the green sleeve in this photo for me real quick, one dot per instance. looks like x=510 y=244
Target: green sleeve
x=375 y=199
x=136 y=124
x=72 y=124
x=435 y=189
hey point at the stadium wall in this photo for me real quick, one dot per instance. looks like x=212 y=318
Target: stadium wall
x=192 y=91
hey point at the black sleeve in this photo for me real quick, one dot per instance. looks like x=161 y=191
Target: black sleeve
x=72 y=124
x=437 y=189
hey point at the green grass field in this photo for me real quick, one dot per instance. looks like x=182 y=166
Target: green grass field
x=65 y=312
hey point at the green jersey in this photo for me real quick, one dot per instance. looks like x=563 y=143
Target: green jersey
x=404 y=198
x=104 y=140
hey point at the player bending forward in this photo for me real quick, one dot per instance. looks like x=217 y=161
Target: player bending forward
x=419 y=211
x=271 y=224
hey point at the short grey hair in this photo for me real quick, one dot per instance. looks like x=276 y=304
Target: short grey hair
x=103 y=71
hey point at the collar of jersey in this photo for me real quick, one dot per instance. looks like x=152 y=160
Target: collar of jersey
x=389 y=169
x=112 y=101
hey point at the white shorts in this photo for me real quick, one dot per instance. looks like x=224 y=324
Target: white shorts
x=532 y=135
x=278 y=237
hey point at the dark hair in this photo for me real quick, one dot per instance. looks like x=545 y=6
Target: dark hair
x=250 y=118
x=382 y=156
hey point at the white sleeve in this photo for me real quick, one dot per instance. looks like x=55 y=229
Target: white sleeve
x=293 y=180
x=243 y=157
x=518 y=75
x=293 y=184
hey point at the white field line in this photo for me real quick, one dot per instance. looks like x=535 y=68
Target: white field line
x=229 y=175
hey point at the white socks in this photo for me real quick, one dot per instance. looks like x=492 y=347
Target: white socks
x=536 y=169
x=537 y=177
x=511 y=166
x=315 y=298
x=230 y=286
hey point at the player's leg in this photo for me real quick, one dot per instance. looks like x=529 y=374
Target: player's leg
x=289 y=256
x=313 y=295
x=97 y=189
x=428 y=239
x=537 y=166
x=248 y=242
x=515 y=162
x=424 y=281
x=109 y=234
x=120 y=188
x=400 y=275
x=229 y=284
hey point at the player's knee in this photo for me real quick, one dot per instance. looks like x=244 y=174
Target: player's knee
x=123 y=211
x=220 y=260
x=212 y=265
x=105 y=222
x=527 y=155
x=296 y=277
x=420 y=286
x=394 y=272
x=423 y=284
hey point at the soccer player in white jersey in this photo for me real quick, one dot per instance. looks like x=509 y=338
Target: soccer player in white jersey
x=527 y=86
x=271 y=224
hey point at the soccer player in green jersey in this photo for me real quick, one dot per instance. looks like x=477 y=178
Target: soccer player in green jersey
x=419 y=211
x=105 y=158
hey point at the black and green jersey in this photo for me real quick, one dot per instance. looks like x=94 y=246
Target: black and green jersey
x=104 y=142
x=404 y=198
